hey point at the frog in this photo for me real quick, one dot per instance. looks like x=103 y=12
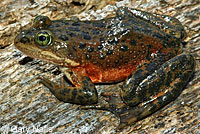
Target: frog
x=142 y=50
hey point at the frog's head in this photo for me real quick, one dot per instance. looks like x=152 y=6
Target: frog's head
x=41 y=41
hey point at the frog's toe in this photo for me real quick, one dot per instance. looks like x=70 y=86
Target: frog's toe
x=108 y=106
x=127 y=115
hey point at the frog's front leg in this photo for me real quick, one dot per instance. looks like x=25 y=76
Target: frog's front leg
x=142 y=97
x=83 y=93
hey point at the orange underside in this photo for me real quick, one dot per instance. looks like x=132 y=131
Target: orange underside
x=109 y=75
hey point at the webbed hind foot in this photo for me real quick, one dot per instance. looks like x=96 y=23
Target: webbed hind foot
x=127 y=115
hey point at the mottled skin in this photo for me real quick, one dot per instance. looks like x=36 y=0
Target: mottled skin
x=141 y=48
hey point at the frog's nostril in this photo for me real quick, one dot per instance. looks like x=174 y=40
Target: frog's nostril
x=24 y=40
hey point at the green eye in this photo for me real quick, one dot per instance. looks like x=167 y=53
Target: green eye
x=43 y=38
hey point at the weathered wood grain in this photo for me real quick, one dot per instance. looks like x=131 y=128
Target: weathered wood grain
x=24 y=103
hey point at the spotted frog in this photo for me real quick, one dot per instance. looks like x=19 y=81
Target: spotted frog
x=144 y=50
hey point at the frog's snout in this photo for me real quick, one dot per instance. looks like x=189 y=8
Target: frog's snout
x=21 y=38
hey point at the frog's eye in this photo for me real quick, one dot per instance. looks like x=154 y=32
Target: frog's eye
x=41 y=22
x=43 y=38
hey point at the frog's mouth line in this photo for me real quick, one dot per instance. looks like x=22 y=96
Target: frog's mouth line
x=45 y=55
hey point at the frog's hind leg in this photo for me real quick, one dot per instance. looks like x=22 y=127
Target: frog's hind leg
x=84 y=94
x=161 y=87
x=153 y=92
x=173 y=74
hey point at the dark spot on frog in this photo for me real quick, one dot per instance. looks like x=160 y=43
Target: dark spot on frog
x=80 y=97
x=126 y=61
x=101 y=56
x=130 y=52
x=121 y=56
x=100 y=47
x=66 y=23
x=101 y=39
x=142 y=93
x=74 y=47
x=57 y=25
x=158 y=35
x=100 y=25
x=51 y=26
x=109 y=52
x=86 y=35
x=153 y=66
x=88 y=56
x=87 y=78
x=168 y=79
x=116 y=61
x=76 y=24
x=133 y=42
x=80 y=91
x=63 y=92
x=153 y=108
x=90 y=85
x=63 y=37
x=87 y=22
x=123 y=48
x=123 y=41
x=139 y=36
x=24 y=40
x=90 y=49
x=82 y=45
x=77 y=29
x=179 y=76
x=96 y=31
x=177 y=86
x=138 y=53
x=57 y=31
x=174 y=67
x=138 y=75
x=70 y=34
x=134 y=63
x=153 y=88
x=113 y=65
x=85 y=82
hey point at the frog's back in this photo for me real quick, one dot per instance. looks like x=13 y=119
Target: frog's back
x=109 y=43
x=112 y=46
